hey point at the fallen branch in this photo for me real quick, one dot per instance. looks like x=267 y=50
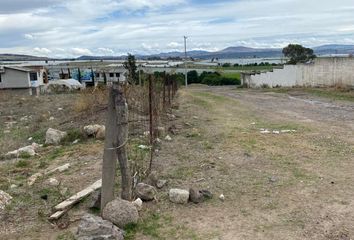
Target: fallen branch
x=64 y=206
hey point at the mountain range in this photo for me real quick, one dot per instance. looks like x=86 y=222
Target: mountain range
x=230 y=52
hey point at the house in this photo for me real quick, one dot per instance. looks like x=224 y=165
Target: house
x=12 y=77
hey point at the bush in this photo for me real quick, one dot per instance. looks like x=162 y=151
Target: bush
x=214 y=79
x=226 y=65
x=193 y=77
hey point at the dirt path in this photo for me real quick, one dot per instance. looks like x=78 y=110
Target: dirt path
x=277 y=186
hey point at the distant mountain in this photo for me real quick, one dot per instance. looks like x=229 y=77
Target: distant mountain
x=19 y=57
x=334 y=49
x=229 y=52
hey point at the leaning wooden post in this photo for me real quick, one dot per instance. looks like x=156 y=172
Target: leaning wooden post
x=121 y=142
x=115 y=146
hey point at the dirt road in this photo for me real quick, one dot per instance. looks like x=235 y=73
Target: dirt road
x=291 y=185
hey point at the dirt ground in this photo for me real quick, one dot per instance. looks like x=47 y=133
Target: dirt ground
x=293 y=185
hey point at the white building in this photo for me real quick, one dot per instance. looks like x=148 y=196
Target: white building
x=12 y=77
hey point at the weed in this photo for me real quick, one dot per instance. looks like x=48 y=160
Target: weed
x=22 y=164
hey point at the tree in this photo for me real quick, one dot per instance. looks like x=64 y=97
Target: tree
x=298 y=53
x=132 y=74
x=193 y=77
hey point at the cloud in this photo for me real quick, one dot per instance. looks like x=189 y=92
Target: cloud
x=105 y=51
x=174 y=45
x=28 y=36
x=84 y=27
x=44 y=51
x=80 y=51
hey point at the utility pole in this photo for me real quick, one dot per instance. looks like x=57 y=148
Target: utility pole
x=185 y=60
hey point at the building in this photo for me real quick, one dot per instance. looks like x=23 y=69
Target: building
x=12 y=77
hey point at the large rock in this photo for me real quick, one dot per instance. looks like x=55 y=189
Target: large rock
x=96 y=131
x=120 y=212
x=92 y=227
x=54 y=136
x=5 y=199
x=145 y=192
x=180 y=196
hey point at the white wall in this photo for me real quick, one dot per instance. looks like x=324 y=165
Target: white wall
x=324 y=72
x=14 y=79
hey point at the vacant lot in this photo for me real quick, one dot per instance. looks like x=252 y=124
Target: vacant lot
x=295 y=183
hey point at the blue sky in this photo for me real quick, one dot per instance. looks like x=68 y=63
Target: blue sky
x=70 y=28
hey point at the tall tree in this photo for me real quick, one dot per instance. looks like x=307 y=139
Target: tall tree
x=132 y=74
x=298 y=54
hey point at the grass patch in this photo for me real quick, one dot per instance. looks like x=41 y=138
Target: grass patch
x=157 y=226
x=232 y=75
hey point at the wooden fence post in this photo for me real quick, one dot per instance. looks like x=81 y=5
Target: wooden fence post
x=116 y=139
x=150 y=122
x=121 y=142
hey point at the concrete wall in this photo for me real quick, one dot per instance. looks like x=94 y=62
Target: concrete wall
x=323 y=72
x=14 y=79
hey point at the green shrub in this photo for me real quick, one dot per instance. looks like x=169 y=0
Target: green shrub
x=72 y=135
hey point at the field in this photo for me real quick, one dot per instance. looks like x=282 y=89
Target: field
x=295 y=184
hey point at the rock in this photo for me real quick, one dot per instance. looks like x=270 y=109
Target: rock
x=59 y=169
x=273 y=179
x=75 y=142
x=28 y=150
x=138 y=203
x=195 y=196
x=96 y=200
x=161 y=183
x=5 y=199
x=145 y=192
x=120 y=212
x=101 y=133
x=266 y=131
x=96 y=130
x=53 y=182
x=207 y=194
x=222 y=197
x=31 y=180
x=63 y=168
x=92 y=227
x=51 y=118
x=178 y=195
x=13 y=186
x=54 y=136
x=168 y=138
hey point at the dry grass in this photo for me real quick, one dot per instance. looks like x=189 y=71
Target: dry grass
x=91 y=99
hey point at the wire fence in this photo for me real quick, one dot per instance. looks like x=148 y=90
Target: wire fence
x=149 y=106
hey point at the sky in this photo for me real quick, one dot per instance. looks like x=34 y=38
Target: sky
x=71 y=28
